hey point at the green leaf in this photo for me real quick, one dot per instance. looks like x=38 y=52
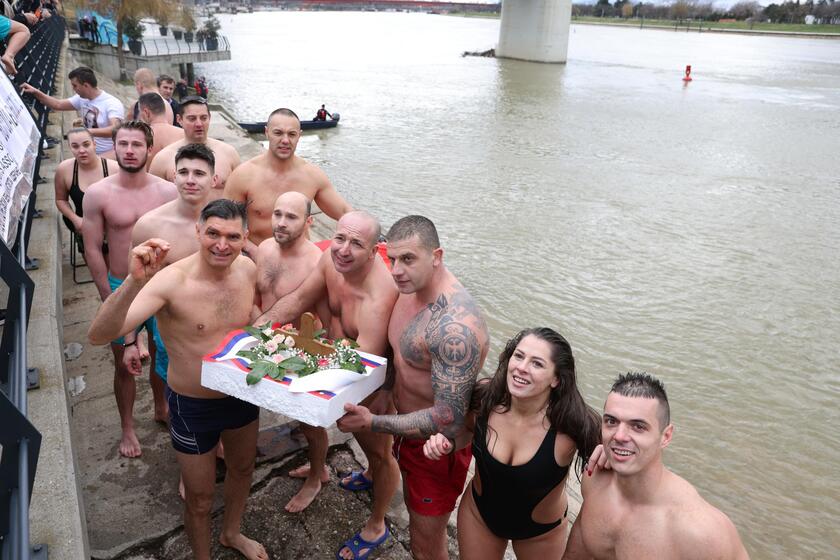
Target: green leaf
x=256 y=333
x=319 y=333
x=293 y=363
x=250 y=354
x=253 y=377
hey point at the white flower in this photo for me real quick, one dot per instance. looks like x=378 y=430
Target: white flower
x=279 y=339
x=277 y=358
x=268 y=331
x=345 y=343
x=290 y=342
x=271 y=346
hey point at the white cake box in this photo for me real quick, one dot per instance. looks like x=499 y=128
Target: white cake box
x=317 y=399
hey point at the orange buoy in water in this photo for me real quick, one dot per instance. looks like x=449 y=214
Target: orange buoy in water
x=687 y=77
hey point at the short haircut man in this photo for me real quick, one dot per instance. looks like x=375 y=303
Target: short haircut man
x=625 y=505
x=193 y=100
x=153 y=102
x=163 y=78
x=196 y=151
x=224 y=209
x=83 y=75
x=422 y=227
x=135 y=125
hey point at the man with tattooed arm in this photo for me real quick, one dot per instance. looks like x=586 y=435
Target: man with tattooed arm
x=440 y=340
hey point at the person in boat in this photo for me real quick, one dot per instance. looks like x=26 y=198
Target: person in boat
x=528 y=420
x=322 y=114
x=633 y=506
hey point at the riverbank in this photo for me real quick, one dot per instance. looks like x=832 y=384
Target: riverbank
x=737 y=27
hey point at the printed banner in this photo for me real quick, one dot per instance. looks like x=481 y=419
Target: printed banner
x=19 y=140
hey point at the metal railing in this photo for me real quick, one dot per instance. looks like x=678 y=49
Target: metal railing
x=165 y=46
x=37 y=64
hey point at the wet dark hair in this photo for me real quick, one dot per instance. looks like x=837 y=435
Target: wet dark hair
x=645 y=386
x=83 y=75
x=422 y=227
x=135 y=125
x=196 y=151
x=283 y=111
x=224 y=209
x=567 y=412
x=192 y=100
x=153 y=102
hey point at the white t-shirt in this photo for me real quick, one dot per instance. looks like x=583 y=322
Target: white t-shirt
x=97 y=113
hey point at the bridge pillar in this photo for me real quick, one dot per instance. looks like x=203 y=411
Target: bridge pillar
x=536 y=30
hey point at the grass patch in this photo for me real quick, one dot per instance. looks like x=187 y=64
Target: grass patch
x=735 y=25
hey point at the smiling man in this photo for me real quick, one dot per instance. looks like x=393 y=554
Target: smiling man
x=637 y=508
x=262 y=179
x=198 y=300
x=195 y=120
x=111 y=208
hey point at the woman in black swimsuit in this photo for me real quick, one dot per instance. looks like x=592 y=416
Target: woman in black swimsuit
x=87 y=168
x=530 y=419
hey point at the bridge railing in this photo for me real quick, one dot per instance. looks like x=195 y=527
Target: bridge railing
x=37 y=64
x=165 y=46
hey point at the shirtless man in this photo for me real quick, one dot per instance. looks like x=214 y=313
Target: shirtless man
x=175 y=221
x=111 y=208
x=145 y=82
x=637 y=508
x=195 y=120
x=153 y=114
x=262 y=179
x=198 y=300
x=285 y=260
x=355 y=296
x=440 y=341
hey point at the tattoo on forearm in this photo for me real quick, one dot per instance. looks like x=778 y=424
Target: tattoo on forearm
x=456 y=358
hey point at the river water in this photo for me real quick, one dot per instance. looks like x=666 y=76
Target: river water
x=689 y=231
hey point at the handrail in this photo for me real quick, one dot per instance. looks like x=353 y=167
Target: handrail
x=37 y=64
x=165 y=46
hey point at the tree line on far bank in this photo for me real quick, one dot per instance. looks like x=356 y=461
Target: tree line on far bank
x=821 y=12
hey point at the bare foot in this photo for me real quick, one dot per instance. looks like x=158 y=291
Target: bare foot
x=182 y=491
x=130 y=445
x=304 y=496
x=250 y=549
x=9 y=64
x=303 y=472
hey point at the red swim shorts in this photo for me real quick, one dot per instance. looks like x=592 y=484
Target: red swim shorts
x=433 y=486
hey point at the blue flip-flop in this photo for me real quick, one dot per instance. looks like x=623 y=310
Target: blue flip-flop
x=358 y=481
x=357 y=543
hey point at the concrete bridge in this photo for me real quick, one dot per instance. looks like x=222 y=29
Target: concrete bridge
x=536 y=30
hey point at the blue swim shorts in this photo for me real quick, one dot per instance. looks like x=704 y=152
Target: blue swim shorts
x=161 y=357
x=5 y=27
x=196 y=425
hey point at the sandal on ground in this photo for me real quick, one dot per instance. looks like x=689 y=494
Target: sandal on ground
x=357 y=543
x=358 y=481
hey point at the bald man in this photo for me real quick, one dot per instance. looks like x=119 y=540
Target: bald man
x=286 y=259
x=354 y=294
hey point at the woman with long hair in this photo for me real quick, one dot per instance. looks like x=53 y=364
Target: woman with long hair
x=530 y=419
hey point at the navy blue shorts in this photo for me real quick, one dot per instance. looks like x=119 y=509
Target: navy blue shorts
x=196 y=425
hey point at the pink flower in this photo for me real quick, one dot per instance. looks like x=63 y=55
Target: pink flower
x=279 y=339
x=323 y=362
x=271 y=346
x=277 y=358
x=345 y=343
x=290 y=342
x=288 y=327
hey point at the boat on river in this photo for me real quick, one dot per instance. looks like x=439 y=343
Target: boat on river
x=259 y=127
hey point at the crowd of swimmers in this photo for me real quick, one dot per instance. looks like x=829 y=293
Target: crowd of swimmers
x=184 y=239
